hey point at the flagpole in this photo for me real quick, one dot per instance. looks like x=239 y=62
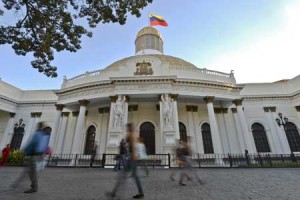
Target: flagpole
x=148 y=18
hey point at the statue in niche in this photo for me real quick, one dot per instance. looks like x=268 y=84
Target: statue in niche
x=166 y=109
x=119 y=112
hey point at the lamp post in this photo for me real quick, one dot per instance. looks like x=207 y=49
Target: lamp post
x=282 y=121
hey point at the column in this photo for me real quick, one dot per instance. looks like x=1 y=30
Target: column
x=223 y=129
x=62 y=131
x=59 y=108
x=215 y=132
x=174 y=98
x=8 y=129
x=298 y=112
x=282 y=136
x=79 y=127
x=249 y=141
x=103 y=118
x=233 y=138
x=273 y=134
x=239 y=130
x=191 y=127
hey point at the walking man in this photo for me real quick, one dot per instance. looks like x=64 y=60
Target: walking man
x=35 y=150
x=131 y=140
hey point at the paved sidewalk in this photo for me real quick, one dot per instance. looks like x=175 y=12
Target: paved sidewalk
x=223 y=184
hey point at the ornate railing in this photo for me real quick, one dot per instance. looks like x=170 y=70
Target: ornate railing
x=169 y=161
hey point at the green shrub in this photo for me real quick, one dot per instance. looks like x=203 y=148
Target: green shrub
x=15 y=158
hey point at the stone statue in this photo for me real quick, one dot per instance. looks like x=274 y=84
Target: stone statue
x=166 y=109
x=119 y=112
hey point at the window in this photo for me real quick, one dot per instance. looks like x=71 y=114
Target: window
x=182 y=132
x=260 y=138
x=90 y=140
x=207 y=139
x=293 y=136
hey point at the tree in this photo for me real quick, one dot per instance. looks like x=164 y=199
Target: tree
x=45 y=26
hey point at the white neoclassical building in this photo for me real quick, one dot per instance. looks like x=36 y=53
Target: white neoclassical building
x=167 y=98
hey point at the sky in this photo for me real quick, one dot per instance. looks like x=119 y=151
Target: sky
x=258 y=39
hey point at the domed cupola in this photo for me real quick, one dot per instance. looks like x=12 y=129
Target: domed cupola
x=148 y=41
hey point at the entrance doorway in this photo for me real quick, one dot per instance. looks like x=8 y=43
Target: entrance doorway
x=147 y=132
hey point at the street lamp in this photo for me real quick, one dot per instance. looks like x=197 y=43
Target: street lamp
x=282 y=121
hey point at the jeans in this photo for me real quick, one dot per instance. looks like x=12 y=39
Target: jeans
x=122 y=176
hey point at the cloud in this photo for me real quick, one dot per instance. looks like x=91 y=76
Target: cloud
x=269 y=59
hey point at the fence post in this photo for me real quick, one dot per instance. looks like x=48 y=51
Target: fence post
x=103 y=160
x=282 y=158
x=260 y=160
x=76 y=159
x=199 y=160
x=247 y=157
x=169 y=160
x=270 y=160
x=230 y=160
x=293 y=158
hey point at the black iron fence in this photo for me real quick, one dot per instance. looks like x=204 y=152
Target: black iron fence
x=169 y=160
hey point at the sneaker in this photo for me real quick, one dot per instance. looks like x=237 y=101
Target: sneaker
x=138 y=196
x=182 y=184
x=30 y=191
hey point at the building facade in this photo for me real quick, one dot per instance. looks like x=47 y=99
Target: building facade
x=166 y=98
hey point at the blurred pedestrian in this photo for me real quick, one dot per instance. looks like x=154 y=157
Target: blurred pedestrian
x=5 y=154
x=94 y=153
x=186 y=164
x=35 y=151
x=121 y=159
x=142 y=155
x=122 y=176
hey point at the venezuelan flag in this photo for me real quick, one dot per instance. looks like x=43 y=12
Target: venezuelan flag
x=156 y=20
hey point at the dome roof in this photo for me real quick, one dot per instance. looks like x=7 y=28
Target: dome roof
x=163 y=58
x=148 y=30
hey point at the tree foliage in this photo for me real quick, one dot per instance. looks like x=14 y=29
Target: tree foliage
x=45 y=26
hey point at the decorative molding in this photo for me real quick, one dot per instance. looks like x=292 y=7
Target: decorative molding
x=297 y=108
x=209 y=99
x=270 y=109
x=113 y=98
x=234 y=110
x=191 y=108
x=218 y=110
x=103 y=110
x=36 y=114
x=83 y=102
x=273 y=109
x=65 y=114
x=238 y=102
x=174 y=96
x=133 y=108
x=75 y=113
x=225 y=110
x=12 y=115
x=59 y=107
x=143 y=68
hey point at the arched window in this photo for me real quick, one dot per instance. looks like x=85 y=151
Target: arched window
x=293 y=136
x=19 y=130
x=182 y=131
x=147 y=132
x=90 y=140
x=207 y=139
x=260 y=138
